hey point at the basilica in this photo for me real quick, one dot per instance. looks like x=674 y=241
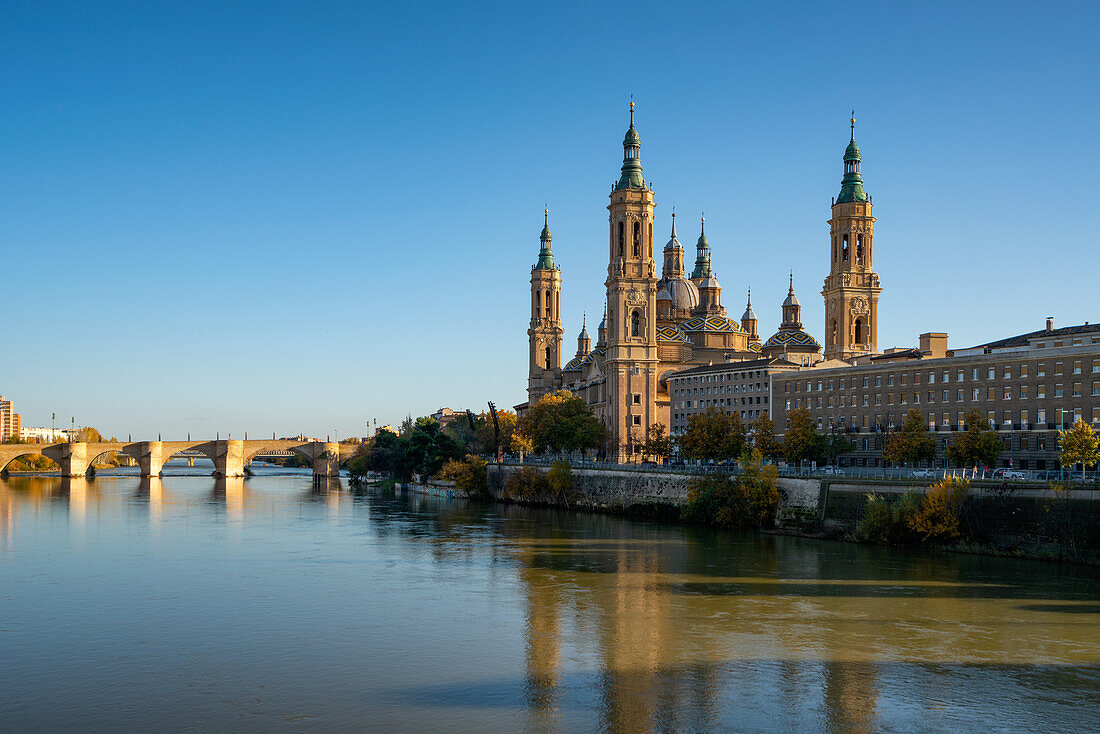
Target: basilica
x=655 y=326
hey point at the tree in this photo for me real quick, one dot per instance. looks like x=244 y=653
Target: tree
x=978 y=445
x=762 y=431
x=1078 y=445
x=912 y=443
x=560 y=421
x=658 y=444
x=713 y=436
x=801 y=441
x=833 y=444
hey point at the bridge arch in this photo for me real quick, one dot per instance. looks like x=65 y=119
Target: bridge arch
x=32 y=450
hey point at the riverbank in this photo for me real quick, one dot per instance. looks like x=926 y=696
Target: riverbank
x=1018 y=521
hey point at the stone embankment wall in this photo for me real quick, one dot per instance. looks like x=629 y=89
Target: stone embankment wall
x=835 y=502
x=626 y=490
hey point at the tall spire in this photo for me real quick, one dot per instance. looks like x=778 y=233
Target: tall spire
x=792 y=309
x=546 y=256
x=631 y=177
x=851 y=186
x=702 y=249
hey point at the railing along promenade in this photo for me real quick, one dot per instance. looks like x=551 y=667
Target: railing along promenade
x=809 y=472
x=230 y=457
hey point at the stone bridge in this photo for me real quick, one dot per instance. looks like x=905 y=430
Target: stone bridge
x=230 y=456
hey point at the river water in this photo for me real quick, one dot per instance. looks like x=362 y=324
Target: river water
x=183 y=603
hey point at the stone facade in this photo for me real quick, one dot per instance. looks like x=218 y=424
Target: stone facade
x=1026 y=386
x=734 y=387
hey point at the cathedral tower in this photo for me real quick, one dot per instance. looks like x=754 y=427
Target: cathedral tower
x=631 y=364
x=545 y=333
x=852 y=288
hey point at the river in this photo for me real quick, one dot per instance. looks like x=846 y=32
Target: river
x=183 y=603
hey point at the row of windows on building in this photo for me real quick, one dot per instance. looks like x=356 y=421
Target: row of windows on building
x=678 y=419
x=906 y=378
x=1008 y=420
x=1022 y=392
x=719 y=390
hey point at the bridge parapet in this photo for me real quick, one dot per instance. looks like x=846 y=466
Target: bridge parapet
x=230 y=457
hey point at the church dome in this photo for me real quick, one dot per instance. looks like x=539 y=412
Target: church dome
x=682 y=293
x=851 y=153
x=584 y=332
x=796 y=339
x=714 y=324
x=749 y=314
x=791 y=300
x=663 y=294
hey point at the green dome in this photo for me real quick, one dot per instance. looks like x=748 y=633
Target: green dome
x=851 y=153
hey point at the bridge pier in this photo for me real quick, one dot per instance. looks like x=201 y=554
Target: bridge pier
x=326 y=460
x=74 y=459
x=151 y=458
x=229 y=458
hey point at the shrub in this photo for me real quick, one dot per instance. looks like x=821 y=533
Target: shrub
x=937 y=517
x=469 y=475
x=887 y=522
x=747 y=501
x=560 y=480
x=527 y=484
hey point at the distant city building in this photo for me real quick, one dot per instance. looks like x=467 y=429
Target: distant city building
x=733 y=387
x=1026 y=386
x=387 y=429
x=444 y=416
x=11 y=423
x=44 y=435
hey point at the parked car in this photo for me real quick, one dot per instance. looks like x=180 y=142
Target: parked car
x=1008 y=474
x=922 y=473
x=831 y=471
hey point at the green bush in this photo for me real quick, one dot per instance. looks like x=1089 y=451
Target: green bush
x=560 y=479
x=747 y=501
x=932 y=516
x=527 y=484
x=469 y=475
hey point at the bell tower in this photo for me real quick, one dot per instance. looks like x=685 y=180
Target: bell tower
x=631 y=363
x=545 y=333
x=852 y=287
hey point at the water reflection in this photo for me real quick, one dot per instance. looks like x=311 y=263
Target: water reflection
x=414 y=612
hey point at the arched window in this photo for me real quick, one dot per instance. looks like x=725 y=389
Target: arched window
x=635 y=324
x=834 y=332
x=834 y=249
x=622 y=230
x=636 y=238
x=549 y=358
x=844 y=249
x=547 y=305
x=650 y=248
x=859 y=248
x=859 y=331
x=538 y=303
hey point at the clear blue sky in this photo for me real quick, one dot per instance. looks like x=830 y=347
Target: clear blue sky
x=297 y=216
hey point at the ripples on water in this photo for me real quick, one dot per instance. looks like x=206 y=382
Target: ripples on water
x=186 y=603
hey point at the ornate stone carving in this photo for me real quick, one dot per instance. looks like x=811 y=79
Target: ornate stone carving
x=635 y=296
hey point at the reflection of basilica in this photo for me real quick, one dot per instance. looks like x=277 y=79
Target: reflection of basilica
x=671 y=653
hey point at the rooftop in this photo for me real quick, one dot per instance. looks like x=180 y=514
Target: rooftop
x=1022 y=340
x=752 y=364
